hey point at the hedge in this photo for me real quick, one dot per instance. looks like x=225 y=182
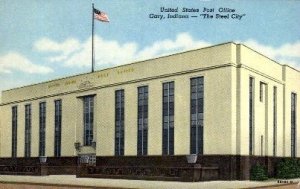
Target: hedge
x=258 y=172
x=288 y=168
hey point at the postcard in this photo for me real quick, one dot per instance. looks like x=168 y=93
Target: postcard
x=119 y=91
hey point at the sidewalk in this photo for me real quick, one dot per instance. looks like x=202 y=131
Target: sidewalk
x=71 y=180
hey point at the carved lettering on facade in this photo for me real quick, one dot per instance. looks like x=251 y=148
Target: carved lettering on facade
x=125 y=70
x=53 y=85
x=70 y=82
x=102 y=75
x=85 y=84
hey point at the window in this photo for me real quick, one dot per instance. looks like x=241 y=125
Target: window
x=251 y=115
x=142 y=120
x=119 y=122
x=57 y=134
x=42 y=137
x=293 y=124
x=168 y=118
x=14 y=131
x=274 y=120
x=197 y=95
x=88 y=119
x=27 y=130
x=261 y=91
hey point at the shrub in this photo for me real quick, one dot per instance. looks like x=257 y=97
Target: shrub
x=288 y=168
x=258 y=172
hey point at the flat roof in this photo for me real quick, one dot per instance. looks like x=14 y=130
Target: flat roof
x=114 y=67
x=141 y=61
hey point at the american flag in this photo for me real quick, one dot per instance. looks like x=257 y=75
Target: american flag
x=101 y=16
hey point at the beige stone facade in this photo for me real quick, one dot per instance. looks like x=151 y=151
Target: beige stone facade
x=225 y=68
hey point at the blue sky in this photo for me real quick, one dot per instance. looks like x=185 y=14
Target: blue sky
x=42 y=40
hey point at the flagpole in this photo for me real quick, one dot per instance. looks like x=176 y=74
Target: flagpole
x=93 y=58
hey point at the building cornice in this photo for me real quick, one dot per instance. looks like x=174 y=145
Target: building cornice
x=123 y=83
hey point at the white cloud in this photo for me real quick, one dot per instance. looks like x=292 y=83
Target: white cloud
x=72 y=53
x=291 y=50
x=268 y=51
x=106 y=53
x=286 y=50
x=16 y=62
x=288 y=53
x=63 y=49
x=182 y=42
x=109 y=53
x=294 y=64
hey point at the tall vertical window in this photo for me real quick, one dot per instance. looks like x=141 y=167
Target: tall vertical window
x=142 y=120
x=251 y=114
x=261 y=91
x=57 y=127
x=88 y=119
x=293 y=124
x=119 y=122
x=14 y=131
x=197 y=95
x=274 y=120
x=42 y=137
x=27 y=130
x=168 y=118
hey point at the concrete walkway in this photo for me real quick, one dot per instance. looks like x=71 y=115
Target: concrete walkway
x=71 y=180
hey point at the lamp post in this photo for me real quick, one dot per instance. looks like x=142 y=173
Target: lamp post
x=43 y=165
